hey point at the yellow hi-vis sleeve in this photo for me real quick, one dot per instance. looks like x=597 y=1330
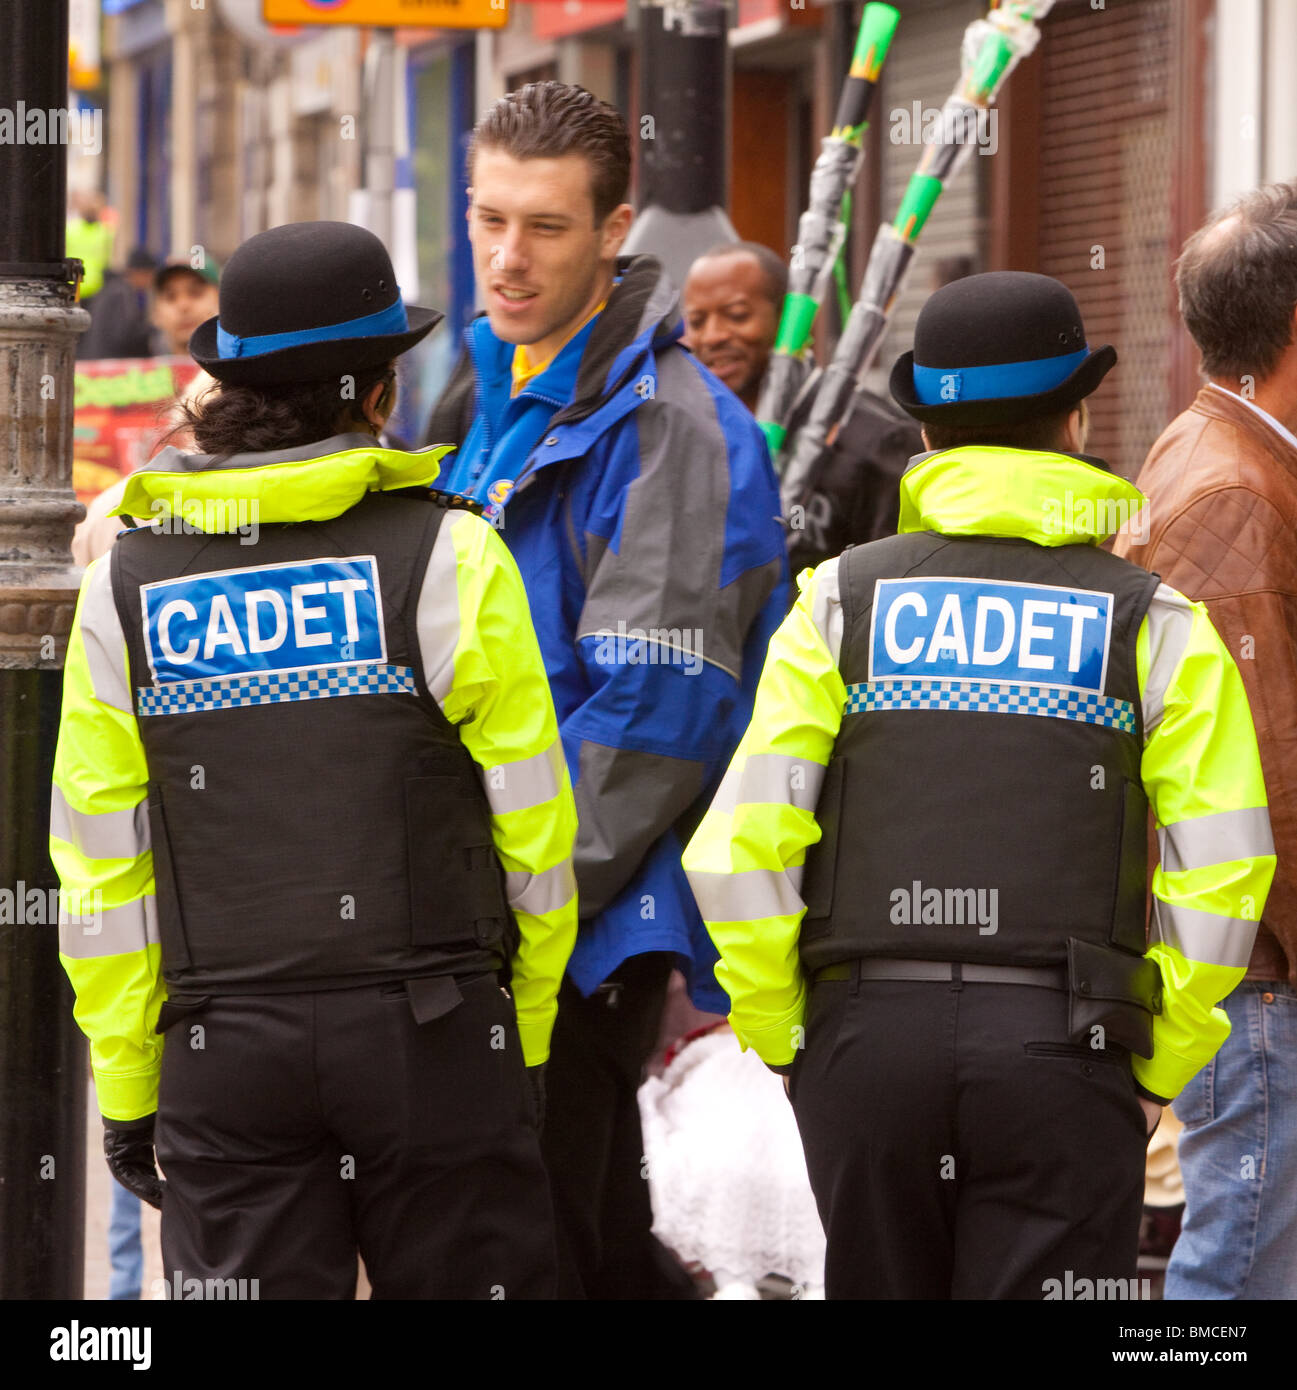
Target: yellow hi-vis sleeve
x=745 y=860
x=99 y=843
x=1202 y=772
x=483 y=664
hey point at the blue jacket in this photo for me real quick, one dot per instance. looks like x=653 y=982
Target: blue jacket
x=644 y=518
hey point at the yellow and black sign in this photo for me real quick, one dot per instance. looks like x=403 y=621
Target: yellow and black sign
x=390 y=14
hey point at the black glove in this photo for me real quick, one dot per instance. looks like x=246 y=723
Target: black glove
x=536 y=1080
x=128 y=1147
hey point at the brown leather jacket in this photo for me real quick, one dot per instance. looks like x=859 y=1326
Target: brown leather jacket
x=1222 y=487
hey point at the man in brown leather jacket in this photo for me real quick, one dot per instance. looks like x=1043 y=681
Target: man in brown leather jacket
x=1222 y=483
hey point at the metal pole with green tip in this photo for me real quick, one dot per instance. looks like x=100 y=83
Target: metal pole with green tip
x=991 y=48
x=822 y=229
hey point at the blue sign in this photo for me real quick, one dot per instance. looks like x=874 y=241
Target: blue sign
x=984 y=630
x=291 y=617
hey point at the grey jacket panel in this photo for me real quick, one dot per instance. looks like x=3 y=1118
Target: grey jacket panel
x=624 y=800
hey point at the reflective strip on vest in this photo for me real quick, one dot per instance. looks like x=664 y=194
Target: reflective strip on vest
x=748 y=896
x=113 y=931
x=437 y=619
x=1085 y=707
x=543 y=892
x=1170 y=625
x=521 y=785
x=240 y=692
x=1200 y=936
x=770 y=779
x=109 y=835
x=826 y=608
x=105 y=643
x=1222 y=838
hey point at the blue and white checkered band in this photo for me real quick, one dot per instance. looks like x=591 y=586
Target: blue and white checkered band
x=241 y=692
x=876 y=697
x=294 y=617
x=934 y=628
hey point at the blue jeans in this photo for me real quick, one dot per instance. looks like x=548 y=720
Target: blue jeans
x=125 y=1252
x=1238 y=1154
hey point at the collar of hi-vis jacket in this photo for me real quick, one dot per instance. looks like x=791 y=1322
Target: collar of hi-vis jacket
x=617 y=369
x=1051 y=499
x=314 y=482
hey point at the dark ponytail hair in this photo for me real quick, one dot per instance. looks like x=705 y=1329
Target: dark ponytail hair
x=255 y=419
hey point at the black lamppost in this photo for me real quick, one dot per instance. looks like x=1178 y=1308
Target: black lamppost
x=42 y=1054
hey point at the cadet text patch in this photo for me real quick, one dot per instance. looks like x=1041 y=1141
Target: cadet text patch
x=989 y=630
x=289 y=617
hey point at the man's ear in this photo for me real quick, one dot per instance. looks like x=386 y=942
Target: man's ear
x=616 y=229
x=468 y=211
x=923 y=434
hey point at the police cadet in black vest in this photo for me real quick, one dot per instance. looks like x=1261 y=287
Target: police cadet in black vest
x=312 y=815
x=925 y=869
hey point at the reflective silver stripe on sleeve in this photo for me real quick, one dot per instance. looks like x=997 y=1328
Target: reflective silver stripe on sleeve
x=105 y=644
x=543 y=892
x=745 y=897
x=437 y=618
x=1218 y=839
x=826 y=608
x=109 y=835
x=1170 y=621
x=530 y=782
x=112 y=931
x=1203 y=936
x=771 y=779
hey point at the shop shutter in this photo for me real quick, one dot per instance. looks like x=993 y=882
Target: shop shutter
x=1105 y=204
x=923 y=66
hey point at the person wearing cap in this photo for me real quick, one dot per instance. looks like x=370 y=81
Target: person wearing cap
x=311 y=814
x=185 y=295
x=925 y=869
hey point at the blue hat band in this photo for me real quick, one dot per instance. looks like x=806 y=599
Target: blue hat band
x=393 y=319
x=1001 y=380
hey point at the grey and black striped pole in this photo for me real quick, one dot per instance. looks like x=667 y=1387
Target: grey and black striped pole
x=821 y=229
x=991 y=48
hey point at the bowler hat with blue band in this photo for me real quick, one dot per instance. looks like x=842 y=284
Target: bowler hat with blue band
x=997 y=349
x=306 y=302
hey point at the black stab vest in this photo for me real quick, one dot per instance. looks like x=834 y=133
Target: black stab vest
x=925 y=807
x=309 y=843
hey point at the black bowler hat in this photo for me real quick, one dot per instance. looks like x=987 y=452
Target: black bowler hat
x=305 y=302
x=996 y=349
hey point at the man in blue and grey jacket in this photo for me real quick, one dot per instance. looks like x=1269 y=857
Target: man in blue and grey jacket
x=635 y=492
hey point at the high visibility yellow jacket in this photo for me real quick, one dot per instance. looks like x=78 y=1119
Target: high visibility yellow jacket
x=481 y=663
x=1200 y=769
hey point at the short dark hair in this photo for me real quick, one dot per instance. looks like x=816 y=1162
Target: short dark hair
x=773 y=269
x=1043 y=432
x=255 y=419
x=1238 y=287
x=545 y=120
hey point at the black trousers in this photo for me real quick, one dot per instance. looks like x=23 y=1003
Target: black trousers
x=960 y=1147
x=594 y=1148
x=295 y=1130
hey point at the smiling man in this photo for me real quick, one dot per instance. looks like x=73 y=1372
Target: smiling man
x=636 y=495
x=732 y=298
